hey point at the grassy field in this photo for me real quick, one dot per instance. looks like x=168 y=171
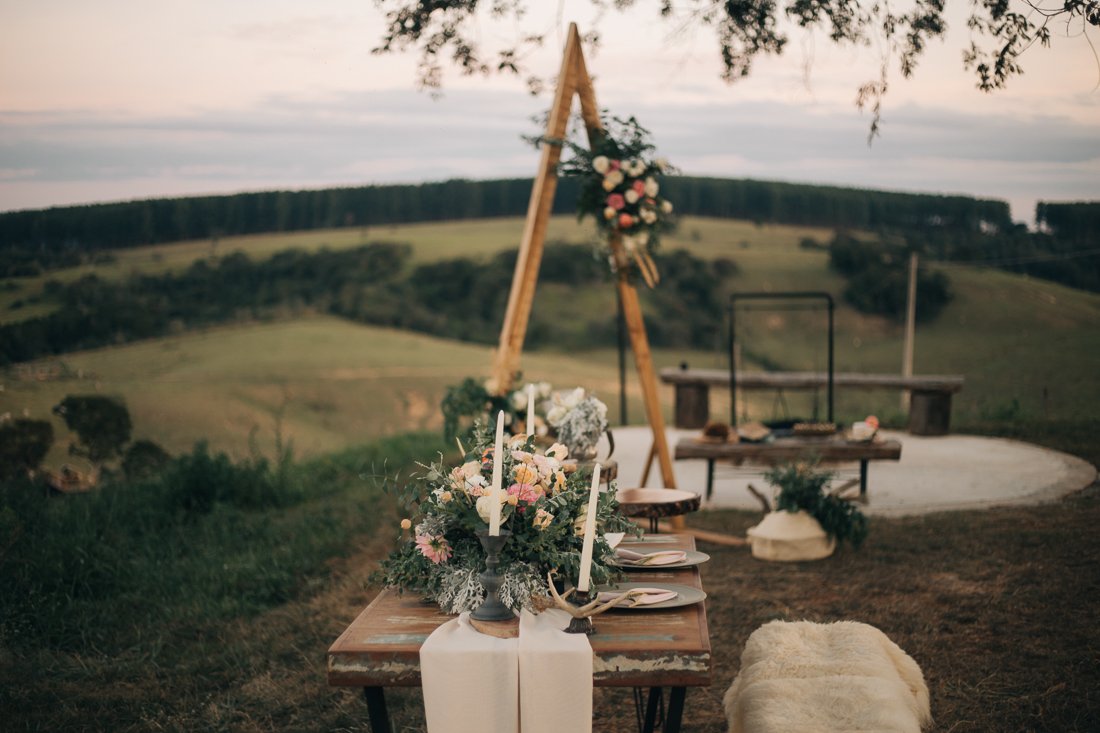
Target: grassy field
x=430 y=242
x=331 y=383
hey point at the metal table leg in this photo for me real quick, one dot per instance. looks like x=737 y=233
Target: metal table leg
x=376 y=709
x=710 y=477
x=652 y=717
x=863 y=478
x=675 y=710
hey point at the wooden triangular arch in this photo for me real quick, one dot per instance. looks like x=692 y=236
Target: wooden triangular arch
x=573 y=79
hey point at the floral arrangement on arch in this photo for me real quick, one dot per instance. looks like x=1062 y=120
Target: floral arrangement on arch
x=543 y=507
x=621 y=191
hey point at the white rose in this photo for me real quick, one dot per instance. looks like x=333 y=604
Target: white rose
x=609 y=213
x=631 y=196
x=574 y=398
x=651 y=187
x=662 y=163
x=608 y=184
x=666 y=207
x=601 y=164
x=600 y=408
x=558 y=452
x=629 y=243
x=557 y=412
x=543 y=390
x=648 y=216
x=616 y=177
x=483 y=506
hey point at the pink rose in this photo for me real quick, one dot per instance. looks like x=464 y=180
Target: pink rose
x=525 y=492
x=639 y=188
x=616 y=201
x=625 y=220
x=615 y=165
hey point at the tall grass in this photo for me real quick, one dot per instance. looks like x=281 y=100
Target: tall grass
x=207 y=540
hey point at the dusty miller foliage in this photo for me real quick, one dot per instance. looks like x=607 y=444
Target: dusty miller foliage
x=1001 y=31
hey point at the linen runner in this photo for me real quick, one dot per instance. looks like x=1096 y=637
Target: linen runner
x=555 y=675
x=475 y=682
x=470 y=679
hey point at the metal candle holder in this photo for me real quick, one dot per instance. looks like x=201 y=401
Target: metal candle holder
x=580 y=625
x=491 y=609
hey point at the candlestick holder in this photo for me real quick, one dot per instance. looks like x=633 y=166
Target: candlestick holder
x=580 y=625
x=491 y=609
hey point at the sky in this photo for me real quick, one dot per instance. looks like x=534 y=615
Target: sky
x=127 y=99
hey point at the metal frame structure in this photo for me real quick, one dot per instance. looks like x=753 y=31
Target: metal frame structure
x=805 y=295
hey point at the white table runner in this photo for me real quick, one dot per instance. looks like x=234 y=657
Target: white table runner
x=478 y=683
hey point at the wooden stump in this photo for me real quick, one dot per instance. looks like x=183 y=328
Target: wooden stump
x=930 y=413
x=692 y=406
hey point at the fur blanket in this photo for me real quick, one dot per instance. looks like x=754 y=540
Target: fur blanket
x=846 y=676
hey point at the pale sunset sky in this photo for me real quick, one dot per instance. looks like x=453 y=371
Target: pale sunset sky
x=125 y=99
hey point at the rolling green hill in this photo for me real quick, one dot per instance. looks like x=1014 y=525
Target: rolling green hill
x=339 y=383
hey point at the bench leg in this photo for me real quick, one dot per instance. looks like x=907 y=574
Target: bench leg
x=710 y=477
x=863 y=479
x=376 y=709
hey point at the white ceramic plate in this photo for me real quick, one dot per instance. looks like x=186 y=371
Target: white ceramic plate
x=685 y=595
x=693 y=558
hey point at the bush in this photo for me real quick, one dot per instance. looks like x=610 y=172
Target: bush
x=101 y=423
x=23 y=445
x=878 y=279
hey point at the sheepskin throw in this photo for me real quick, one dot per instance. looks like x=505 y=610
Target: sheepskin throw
x=845 y=676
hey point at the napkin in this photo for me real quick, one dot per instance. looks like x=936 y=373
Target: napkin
x=470 y=679
x=555 y=675
x=650 y=595
x=664 y=557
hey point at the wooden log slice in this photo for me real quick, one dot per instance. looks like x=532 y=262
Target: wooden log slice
x=657 y=503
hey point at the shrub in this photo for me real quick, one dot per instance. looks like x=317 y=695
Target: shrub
x=23 y=445
x=101 y=423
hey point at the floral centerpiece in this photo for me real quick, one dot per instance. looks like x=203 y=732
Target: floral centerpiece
x=621 y=190
x=580 y=419
x=543 y=507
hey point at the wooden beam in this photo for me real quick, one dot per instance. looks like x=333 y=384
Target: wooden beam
x=514 y=330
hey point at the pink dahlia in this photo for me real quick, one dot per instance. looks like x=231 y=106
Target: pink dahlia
x=435 y=548
x=616 y=201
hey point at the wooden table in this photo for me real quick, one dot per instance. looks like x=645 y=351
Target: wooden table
x=833 y=448
x=652 y=648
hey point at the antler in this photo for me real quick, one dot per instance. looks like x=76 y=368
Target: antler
x=589 y=609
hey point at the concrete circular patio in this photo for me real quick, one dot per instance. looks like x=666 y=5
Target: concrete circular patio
x=952 y=472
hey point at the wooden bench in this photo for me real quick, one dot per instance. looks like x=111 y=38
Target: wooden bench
x=929 y=402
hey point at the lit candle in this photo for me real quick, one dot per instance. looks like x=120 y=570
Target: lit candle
x=530 y=409
x=589 y=532
x=498 y=466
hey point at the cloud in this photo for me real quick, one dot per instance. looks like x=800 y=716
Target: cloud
x=290 y=141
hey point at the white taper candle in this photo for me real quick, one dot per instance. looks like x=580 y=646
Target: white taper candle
x=589 y=532
x=498 y=466
x=530 y=409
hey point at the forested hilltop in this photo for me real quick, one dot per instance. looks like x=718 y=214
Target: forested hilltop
x=959 y=228
x=155 y=221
